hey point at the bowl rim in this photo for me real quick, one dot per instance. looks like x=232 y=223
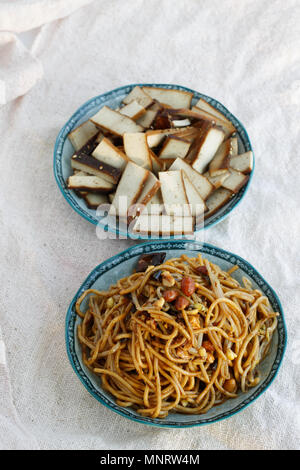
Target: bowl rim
x=82 y=111
x=166 y=246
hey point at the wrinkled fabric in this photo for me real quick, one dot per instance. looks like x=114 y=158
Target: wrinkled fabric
x=19 y=68
x=244 y=54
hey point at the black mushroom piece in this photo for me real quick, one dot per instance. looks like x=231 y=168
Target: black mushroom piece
x=201 y=270
x=151 y=259
x=161 y=121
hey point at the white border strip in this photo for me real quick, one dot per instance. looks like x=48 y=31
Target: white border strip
x=2 y=353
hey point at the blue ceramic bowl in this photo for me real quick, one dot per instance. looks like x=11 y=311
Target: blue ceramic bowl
x=63 y=151
x=121 y=265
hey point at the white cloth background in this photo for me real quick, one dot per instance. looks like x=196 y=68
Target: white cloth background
x=247 y=55
x=19 y=68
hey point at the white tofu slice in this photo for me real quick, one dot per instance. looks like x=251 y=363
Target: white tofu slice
x=110 y=154
x=180 y=226
x=220 y=162
x=227 y=126
x=201 y=183
x=115 y=122
x=146 y=119
x=235 y=181
x=137 y=150
x=200 y=114
x=92 y=166
x=133 y=110
x=197 y=205
x=174 y=147
x=150 y=188
x=208 y=145
x=156 y=205
x=205 y=106
x=93 y=200
x=174 y=98
x=217 y=181
x=153 y=110
x=217 y=200
x=188 y=133
x=202 y=104
x=242 y=162
x=202 y=129
x=173 y=193
x=137 y=94
x=181 y=122
x=89 y=183
x=157 y=164
x=155 y=137
x=164 y=225
x=234 y=146
x=156 y=106
x=129 y=189
x=82 y=134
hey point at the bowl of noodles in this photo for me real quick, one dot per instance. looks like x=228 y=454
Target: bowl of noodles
x=175 y=334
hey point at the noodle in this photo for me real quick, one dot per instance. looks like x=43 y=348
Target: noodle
x=156 y=357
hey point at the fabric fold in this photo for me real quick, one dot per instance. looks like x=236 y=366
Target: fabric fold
x=24 y=15
x=13 y=434
x=19 y=69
